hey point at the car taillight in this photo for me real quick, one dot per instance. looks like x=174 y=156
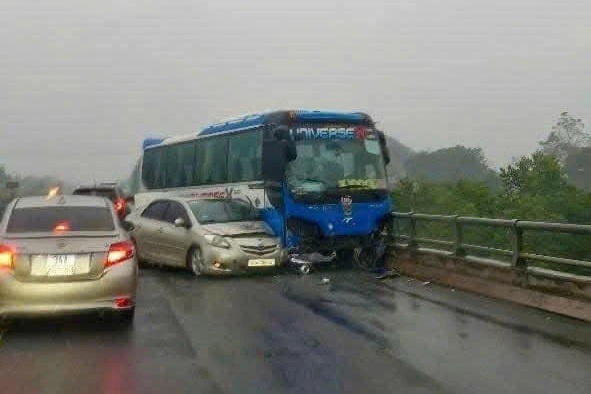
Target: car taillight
x=6 y=257
x=119 y=252
x=61 y=226
x=120 y=205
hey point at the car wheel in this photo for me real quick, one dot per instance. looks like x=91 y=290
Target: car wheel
x=195 y=261
x=140 y=262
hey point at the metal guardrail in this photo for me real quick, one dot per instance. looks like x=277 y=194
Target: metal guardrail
x=519 y=258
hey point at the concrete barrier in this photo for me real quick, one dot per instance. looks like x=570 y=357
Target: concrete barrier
x=535 y=287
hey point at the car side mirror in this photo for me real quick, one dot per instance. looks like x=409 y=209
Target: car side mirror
x=180 y=222
x=127 y=225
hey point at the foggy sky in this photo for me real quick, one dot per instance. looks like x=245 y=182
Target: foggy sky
x=81 y=83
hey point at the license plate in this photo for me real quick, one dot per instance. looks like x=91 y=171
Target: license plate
x=261 y=263
x=60 y=265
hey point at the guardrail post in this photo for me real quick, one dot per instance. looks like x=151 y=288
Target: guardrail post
x=412 y=231
x=458 y=238
x=392 y=228
x=519 y=264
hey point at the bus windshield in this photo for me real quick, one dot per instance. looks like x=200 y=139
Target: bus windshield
x=347 y=164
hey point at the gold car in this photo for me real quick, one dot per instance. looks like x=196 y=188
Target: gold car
x=65 y=254
x=206 y=236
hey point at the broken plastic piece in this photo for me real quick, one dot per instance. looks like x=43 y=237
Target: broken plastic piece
x=388 y=274
x=305 y=269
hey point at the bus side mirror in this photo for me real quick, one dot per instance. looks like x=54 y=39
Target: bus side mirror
x=386 y=155
x=281 y=134
x=290 y=150
x=384 y=147
x=274 y=161
x=277 y=152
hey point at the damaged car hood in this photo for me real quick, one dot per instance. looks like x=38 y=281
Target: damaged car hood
x=237 y=228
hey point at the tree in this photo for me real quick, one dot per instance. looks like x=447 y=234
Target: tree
x=399 y=153
x=578 y=168
x=451 y=165
x=3 y=176
x=567 y=134
x=5 y=193
x=35 y=186
x=537 y=188
x=535 y=174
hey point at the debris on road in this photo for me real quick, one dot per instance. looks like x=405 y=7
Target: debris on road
x=388 y=274
x=325 y=281
x=426 y=283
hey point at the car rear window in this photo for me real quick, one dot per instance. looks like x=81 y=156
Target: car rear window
x=108 y=193
x=47 y=219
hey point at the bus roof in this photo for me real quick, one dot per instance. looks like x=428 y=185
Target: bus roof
x=151 y=142
x=256 y=120
x=251 y=121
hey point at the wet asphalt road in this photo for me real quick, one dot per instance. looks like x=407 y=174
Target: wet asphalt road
x=292 y=334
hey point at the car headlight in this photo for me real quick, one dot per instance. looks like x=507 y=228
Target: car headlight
x=216 y=240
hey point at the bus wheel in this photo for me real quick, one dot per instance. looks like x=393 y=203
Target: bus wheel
x=346 y=257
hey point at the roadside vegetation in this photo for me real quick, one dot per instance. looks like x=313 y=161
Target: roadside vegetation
x=552 y=184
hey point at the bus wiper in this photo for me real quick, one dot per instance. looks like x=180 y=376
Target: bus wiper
x=353 y=187
x=374 y=192
x=314 y=181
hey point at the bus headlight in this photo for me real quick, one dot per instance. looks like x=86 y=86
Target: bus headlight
x=217 y=241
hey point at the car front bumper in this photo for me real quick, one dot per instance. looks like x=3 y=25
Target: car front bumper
x=219 y=261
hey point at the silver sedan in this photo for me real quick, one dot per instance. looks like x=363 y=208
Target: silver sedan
x=65 y=254
x=207 y=236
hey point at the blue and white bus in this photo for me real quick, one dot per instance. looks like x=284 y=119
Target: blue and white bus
x=318 y=178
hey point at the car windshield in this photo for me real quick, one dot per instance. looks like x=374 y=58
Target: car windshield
x=222 y=211
x=341 y=163
x=50 y=219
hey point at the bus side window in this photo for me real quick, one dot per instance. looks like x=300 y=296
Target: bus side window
x=133 y=181
x=244 y=156
x=150 y=168
x=216 y=160
x=187 y=163
x=199 y=175
x=258 y=159
x=171 y=166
